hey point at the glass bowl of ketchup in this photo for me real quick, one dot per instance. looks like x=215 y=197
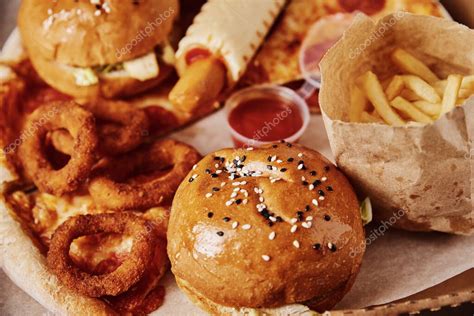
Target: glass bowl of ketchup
x=264 y=114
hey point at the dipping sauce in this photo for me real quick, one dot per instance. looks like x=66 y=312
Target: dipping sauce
x=265 y=119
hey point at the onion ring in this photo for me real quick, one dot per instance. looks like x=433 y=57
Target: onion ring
x=121 y=279
x=117 y=188
x=143 y=293
x=81 y=125
x=121 y=127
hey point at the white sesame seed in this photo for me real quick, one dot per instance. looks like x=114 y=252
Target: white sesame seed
x=237 y=158
x=218 y=171
x=246 y=226
x=50 y=11
x=272 y=236
x=293 y=220
x=300 y=166
x=274 y=168
x=235 y=183
x=311 y=187
x=245 y=201
x=236 y=190
x=309 y=218
x=256 y=190
x=315 y=202
x=329 y=245
x=250 y=148
x=279 y=161
x=233 y=195
x=303 y=178
x=222 y=184
x=324 y=179
x=194 y=176
x=97 y=12
x=243 y=183
x=273 y=158
x=208 y=195
x=234 y=225
x=293 y=228
x=300 y=155
x=194 y=167
x=321 y=198
x=216 y=165
x=266 y=258
x=296 y=243
x=261 y=199
x=229 y=203
x=273 y=219
x=305 y=224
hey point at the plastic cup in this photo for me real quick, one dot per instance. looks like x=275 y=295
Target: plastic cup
x=266 y=91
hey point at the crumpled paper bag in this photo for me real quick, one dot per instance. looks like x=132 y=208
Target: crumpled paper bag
x=425 y=173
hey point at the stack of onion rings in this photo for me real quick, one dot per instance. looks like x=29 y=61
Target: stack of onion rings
x=115 y=186
x=130 y=271
x=120 y=126
x=81 y=126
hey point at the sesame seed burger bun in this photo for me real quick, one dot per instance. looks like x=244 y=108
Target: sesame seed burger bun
x=227 y=252
x=60 y=35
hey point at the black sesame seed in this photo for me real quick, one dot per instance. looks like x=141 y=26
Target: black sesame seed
x=275 y=146
x=282 y=141
x=329 y=188
x=316 y=182
x=313 y=173
x=327 y=218
x=270 y=223
x=279 y=219
x=243 y=158
x=222 y=159
x=321 y=192
x=214 y=175
x=301 y=162
x=269 y=158
x=305 y=183
x=226 y=219
x=300 y=216
x=98 y=6
x=238 y=201
x=288 y=144
x=326 y=168
x=265 y=213
x=217 y=158
x=215 y=189
x=290 y=159
x=307 y=208
x=220 y=233
x=269 y=167
x=283 y=169
x=333 y=248
x=210 y=214
x=191 y=179
x=208 y=171
x=317 y=246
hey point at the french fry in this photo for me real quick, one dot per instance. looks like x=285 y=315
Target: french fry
x=373 y=89
x=432 y=109
x=359 y=104
x=460 y=102
x=410 y=95
x=451 y=93
x=366 y=117
x=395 y=87
x=411 y=111
x=410 y=64
x=377 y=115
x=421 y=88
x=464 y=92
x=468 y=83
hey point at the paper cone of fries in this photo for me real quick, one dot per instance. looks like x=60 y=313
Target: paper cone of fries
x=424 y=171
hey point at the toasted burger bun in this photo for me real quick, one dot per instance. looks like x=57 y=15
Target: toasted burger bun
x=60 y=35
x=62 y=78
x=222 y=247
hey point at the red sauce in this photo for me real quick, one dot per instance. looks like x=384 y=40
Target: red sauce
x=266 y=119
x=196 y=54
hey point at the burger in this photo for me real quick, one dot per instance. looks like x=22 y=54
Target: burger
x=275 y=230
x=91 y=48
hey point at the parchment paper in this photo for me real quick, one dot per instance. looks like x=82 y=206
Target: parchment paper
x=396 y=263
x=425 y=171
